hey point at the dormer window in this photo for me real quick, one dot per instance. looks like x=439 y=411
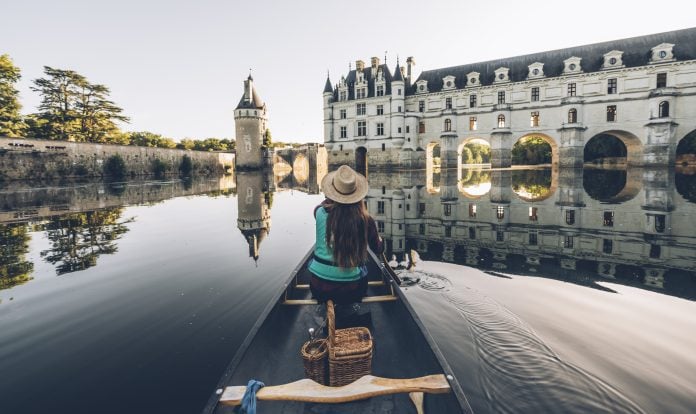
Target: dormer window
x=379 y=90
x=536 y=70
x=613 y=59
x=662 y=53
x=572 y=65
x=502 y=75
x=472 y=79
x=422 y=86
x=360 y=93
x=448 y=82
x=343 y=95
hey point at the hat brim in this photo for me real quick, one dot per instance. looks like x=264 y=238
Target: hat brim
x=331 y=193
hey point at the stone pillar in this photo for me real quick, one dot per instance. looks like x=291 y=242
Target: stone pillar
x=658 y=202
x=448 y=185
x=500 y=196
x=448 y=150
x=571 y=151
x=501 y=148
x=660 y=136
x=571 y=195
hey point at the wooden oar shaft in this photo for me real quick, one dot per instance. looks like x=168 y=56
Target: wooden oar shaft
x=368 y=386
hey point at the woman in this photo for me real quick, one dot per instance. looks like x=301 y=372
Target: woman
x=344 y=229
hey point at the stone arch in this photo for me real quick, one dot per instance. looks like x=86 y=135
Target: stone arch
x=612 y=185
x=686 y=150
x=632 y=144
x=300 y=168
x=548 y=139
x=538 y=179
x=432 y=167
x=469 y=140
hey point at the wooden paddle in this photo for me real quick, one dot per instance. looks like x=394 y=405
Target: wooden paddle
x=306 y=390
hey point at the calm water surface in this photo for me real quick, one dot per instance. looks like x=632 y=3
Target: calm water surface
x=133 y=298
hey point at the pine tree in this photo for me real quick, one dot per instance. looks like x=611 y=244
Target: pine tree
x=11 y=123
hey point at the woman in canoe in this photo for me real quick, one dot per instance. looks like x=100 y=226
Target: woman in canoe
x=344 y=230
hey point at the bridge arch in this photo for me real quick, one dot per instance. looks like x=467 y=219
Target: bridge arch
x=534 y=185
x=517 y=148
x=686 y=149
x=465 y=155
x=612 y=185
x=432 y=167
x=615 y=146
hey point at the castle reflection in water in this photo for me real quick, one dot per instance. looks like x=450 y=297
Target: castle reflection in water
x=582 y=226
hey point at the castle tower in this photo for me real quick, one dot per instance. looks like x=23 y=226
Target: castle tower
x=250 y=119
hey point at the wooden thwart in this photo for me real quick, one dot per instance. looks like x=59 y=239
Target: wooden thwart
x=366 y=299
x=370 y=283
x=368 y=386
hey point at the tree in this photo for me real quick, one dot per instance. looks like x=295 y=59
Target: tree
x=267 y=139
x=531 y=151
x=11 y=123
x=186 y=144
x=73 y=109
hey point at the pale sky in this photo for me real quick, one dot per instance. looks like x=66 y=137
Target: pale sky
x=177 y=67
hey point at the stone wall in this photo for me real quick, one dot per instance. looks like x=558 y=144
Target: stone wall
x=378 y=160
x=22 y=159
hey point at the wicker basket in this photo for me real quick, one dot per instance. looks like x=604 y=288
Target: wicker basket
x=350 y=351
x=314 y=358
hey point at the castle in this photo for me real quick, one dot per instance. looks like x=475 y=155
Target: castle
x=250 y=119
x=639 y=91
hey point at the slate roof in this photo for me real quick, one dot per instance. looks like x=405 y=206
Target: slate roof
x=352 y=76
x=636 y=52
x=328 y=88
x=255 y=103
x=397 y=74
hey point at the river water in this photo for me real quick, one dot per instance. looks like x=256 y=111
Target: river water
x=547 y=291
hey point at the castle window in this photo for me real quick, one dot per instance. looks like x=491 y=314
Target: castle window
x=663 y=109
x=380 y=207
x=660 y=223
x=421 y=106
x=421 y=228
x=500 y=212
x=534 y=119
x=662 y=80
x=340 y=147
x=472 y=210
x=342 y=96
x=535 y=94
x=398 y=109
x=533 y=238
x=448 y=231
x=362 y=128
x=472 y=101
x=608 y=219
x=380 y=109
x=611 y=86
x=380 y=226
x=384 y=190
x=611 y=113
x=380 y=90
x=533 y=214
x=448 y=125
x=500 y=236
x=571 y=89
x=408 y=129
x=360 y=109
x=447 y=209
x=607 y=246
x=343 y=113
x=572 y=116
x=384 y=147
x=398 y=91
x=472 y=123
x=655 y=251
x=421 y=208
x=448 y=103
x=344 y=132
x=360 y=93
x=421 y=127
x=501 y=121
x=398 y=130
x=472 y=233
x=568 y=242
x=501 y=97
x=570 y=217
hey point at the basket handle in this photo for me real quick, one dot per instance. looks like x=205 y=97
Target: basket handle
x=330 y=321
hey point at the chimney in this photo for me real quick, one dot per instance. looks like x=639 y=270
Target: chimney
x=410 y=63
x=374 y=62
x=359 y=65
x=248 y=87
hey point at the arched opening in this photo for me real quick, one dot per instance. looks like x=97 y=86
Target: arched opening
x=300 y=168
x=474 y=183
x=474 y=152
x=501 y=121
x=686 y=150
x=361 y=160
x=534 y=185
x=611 y=185
x=432 y=168
x=663 y=110
x=535 y=149
x=613 y=148
x=448 y=125
x=572 y=116
x=686 y=186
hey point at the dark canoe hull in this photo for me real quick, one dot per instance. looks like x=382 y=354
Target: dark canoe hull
x=403 y=349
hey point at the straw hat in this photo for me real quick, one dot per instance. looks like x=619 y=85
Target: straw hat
x=344 y=185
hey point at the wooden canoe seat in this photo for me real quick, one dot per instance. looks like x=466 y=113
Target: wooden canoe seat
x=306 y=390
x=366 y=299
x=370 y=283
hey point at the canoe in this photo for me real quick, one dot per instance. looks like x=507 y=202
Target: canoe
x=404 y=353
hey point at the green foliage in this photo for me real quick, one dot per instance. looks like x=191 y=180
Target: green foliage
x=159 y=168
x=11 y=123
x=604 y=146
x=14 y=245
x=73 y=109
x=267 y=139
x=475 y=177
x=186 y=166
x=474 y=153
x=80 y=170
x=115 y=168
x=535 y=183
x=531 y=151
x=149 y=139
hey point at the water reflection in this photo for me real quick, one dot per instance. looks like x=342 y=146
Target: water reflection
x=14 y=245
x=254 y=202
x=547 y=223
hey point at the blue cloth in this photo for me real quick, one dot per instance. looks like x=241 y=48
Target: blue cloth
x=249 y=399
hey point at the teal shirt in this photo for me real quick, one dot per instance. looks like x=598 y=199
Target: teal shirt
x=324 y=252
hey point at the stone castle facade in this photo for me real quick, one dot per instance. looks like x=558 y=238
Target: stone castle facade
x=250 y=120
x=641 y=91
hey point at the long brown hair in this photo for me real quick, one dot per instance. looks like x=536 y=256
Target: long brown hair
x=346 y=233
